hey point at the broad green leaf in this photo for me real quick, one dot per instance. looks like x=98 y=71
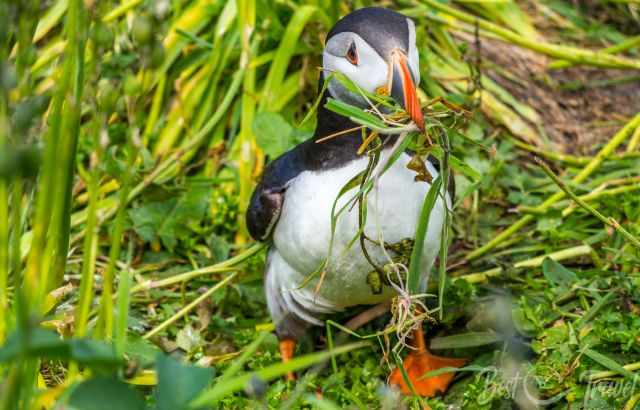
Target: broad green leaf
x=171 y=220
x=141 y=350
x=178 y=383
x=557 y=274
x=105 y=393
x=95 y=354
x=273 y=134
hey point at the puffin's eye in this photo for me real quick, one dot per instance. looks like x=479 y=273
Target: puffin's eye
x=352 y=55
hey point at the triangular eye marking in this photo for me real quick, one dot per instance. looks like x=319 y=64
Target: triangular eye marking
x=352 y=54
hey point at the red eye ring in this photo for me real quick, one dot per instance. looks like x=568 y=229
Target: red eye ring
x=352 y=55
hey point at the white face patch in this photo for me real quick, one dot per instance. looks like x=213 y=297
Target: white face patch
x=370 y=73
x=371 y=70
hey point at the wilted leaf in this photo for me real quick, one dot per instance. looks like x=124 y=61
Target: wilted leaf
x=188 y=338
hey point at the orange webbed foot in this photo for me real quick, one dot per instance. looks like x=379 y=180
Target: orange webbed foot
x=287 y=347
x=419 y=362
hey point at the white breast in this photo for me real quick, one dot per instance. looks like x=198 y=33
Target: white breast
x=303 y=233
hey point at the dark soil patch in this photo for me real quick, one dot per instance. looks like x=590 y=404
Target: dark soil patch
x=580 y=106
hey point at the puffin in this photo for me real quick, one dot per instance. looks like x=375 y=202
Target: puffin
x=291 y=206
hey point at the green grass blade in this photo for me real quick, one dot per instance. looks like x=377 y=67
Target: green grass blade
x=415 y=267
x=269 y=373
x=275 y=77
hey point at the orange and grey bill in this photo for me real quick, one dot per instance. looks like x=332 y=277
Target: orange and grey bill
x=403 y=88
x=411 y=102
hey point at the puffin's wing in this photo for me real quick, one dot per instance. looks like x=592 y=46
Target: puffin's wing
x=267 y=199
x=264 y=211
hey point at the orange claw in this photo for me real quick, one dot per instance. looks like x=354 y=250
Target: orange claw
x=419 y=362
x=287 y=347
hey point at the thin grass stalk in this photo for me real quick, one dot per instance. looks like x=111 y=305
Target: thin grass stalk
x=4 y=228
x=16 y=231
x=4 y=256
x=444 y=240
x=55 y=258
x=606 y=220
x=631 y=367
x=248 y=150
x=415 y=271
x=168 y=166
x=592 y=196
x=275 y=77
x=218 y=391
x=106 y=302
x=4 y=211
x=182 y=312
x=90 y=250
x=590 y=168
x=246 y=139
x=622 y=186
x=124 y=297
x=121 y=10
x=634 y=142
x=224 y=266
x=73 y=112
x=556 y=156
x=88 y=260
x=633 y=401
x=573 y=54
x=569 y=253
x=44 y=188
x=238 y=363
x=625 y=45
x=36 y=272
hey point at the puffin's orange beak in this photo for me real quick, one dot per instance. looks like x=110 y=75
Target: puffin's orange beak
x=403 y=88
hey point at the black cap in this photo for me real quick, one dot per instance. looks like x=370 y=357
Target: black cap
x=381 y=28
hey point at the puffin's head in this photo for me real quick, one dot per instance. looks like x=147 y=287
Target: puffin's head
x=376 y=49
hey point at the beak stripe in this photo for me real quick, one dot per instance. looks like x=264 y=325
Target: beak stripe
x=411 y=102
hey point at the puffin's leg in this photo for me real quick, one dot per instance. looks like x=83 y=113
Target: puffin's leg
x=420 y=361
x=287 y=348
